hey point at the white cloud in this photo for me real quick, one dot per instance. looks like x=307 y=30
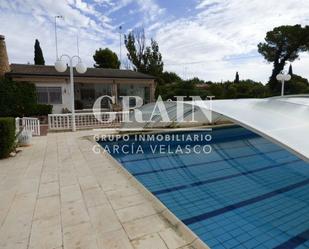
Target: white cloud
x=227 y=28
x=149 y=9
x=218 y=39
x=29 y=19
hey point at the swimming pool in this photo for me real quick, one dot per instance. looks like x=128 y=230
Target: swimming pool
x=246 y=193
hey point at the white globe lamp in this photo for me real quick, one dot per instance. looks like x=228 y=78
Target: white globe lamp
x=288 y=77
x=60 y=66
x=280 y=77
x=81 y=68
x=283 y=77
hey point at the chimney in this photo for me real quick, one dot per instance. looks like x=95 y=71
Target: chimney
x=4 y=60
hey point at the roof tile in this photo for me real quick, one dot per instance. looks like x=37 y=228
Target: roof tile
x=42 y=70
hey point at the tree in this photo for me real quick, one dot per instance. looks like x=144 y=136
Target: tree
x=154 y=63
x=18 y=99
x=196 y=80
x=145 y=59
x=283 y=44
x=180 y=88
x=38 y=54
x=296 y=85
x=231 y=91
x=290 y=70
x=236 y=78
x=135 y=43
x=106 y=58
x=170 y=77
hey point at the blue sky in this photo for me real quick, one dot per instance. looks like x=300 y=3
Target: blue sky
x=211 y=39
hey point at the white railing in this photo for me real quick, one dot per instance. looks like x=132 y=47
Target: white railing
x=84 y=120
x=17 y=125
x=29 y=124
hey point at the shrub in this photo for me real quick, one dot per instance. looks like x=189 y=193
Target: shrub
x=18 y=99
x=7 y=136
x=42 y=110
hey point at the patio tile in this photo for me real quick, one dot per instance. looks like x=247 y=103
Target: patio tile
x=122 y=192
x=34 y=173
x=70 y=193
x=17 y=225
x=127 y=201
x=135 y=212
x=152 y=241
x=113 y=183
x=117 y=239
x=94 y=197
x=6 y=198
x=81 y=236
x=28 y=186
x=74 y=213
x=49 y=189
x=144 y=226
x=88 y=182
x=104 y=219
x=47 y=212
x=14 y=244
x=52 y=237
x=67 y=179
x=57 y=195
x=172 y=239
x=49 y=177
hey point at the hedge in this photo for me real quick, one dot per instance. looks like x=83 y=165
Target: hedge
x=7 y=136
x=42 y=110
x=18 y=99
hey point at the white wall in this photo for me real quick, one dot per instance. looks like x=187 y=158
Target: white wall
x=66 y=100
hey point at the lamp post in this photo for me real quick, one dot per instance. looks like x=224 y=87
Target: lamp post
x=56 y=39
x=120 y=45
x=61 y=67
x=282 y=76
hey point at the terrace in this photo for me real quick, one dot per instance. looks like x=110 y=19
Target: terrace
x=59 y=194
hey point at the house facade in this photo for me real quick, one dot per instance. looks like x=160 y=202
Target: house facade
x=54 y=88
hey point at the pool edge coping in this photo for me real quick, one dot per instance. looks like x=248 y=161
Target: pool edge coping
x=191 y=238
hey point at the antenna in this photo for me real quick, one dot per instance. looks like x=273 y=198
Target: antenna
x=56 y=38
x=120 y=45
x=77 y=43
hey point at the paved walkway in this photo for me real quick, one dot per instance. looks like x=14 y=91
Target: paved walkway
x=58 y=194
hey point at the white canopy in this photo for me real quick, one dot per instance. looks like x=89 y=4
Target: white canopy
x=284 y=120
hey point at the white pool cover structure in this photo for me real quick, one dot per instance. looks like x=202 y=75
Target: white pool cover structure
x=249 y=192
x=284 y=120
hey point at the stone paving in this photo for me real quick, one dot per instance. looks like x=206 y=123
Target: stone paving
x=57 y=194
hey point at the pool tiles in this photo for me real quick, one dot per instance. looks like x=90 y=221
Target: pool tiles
x=248 y=193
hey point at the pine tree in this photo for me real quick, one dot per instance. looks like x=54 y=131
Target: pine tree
x=38 y=54
x=290 y=70
x=281 y=45
x=106 y=58
x=236 y=78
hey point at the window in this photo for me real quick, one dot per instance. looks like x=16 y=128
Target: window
x=42 y=94
x=134 y=90
x=49 y=95
x=88 y=93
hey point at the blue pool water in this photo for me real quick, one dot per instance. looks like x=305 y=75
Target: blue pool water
x=246 y=193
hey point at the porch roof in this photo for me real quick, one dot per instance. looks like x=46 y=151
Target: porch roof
x=18 y=70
